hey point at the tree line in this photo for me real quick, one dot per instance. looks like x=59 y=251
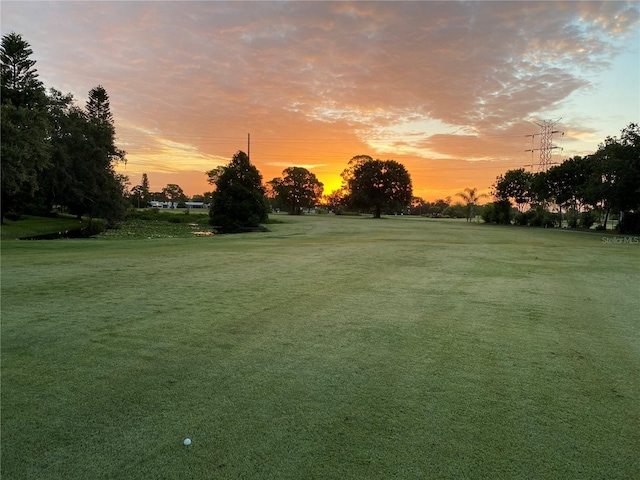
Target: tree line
x=140 y=196
x=55 y=153
x=240 y=202
x=577 y=191
x=59 y=156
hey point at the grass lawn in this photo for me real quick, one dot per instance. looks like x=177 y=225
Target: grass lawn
x=329 y=348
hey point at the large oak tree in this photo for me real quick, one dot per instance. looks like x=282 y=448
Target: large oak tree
x=378 y=185
x=297 y=189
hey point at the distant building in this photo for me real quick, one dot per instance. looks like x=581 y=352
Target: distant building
x=154 y=204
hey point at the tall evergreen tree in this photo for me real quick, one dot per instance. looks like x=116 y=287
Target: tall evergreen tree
x=99 y=107
x=20 y=84
x=25 y=128
x=238 y=203
x=106 y=194
x=140 y=194
x=145 y=184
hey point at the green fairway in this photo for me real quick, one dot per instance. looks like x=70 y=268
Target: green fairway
x=329 y=348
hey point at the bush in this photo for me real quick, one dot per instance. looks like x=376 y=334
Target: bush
x=587 y=219
x=456 y=210
x=14 y=217
x=523 y=218
x=343 y=211
x=497 y=212
x=541 y=217
x=95 y=227
x=630 y=223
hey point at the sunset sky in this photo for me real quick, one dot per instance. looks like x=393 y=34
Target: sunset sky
x=449 y=89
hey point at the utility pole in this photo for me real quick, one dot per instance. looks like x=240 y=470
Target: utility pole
x=546 y=143
x=249 y=146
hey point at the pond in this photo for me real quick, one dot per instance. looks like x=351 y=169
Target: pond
x=73 y=233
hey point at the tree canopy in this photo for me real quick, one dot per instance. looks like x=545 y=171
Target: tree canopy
x=25 y=148
x=238 y=203
x=378 y=185
x=140 y=194
x=514 y=185
x=20 y=83
x=174 y=193
x=297 y=189
x=54 y=152
x=608 y=180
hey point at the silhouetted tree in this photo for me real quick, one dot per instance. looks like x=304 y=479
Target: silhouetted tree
x=25 y=129
x=238 y=203
x=471 y=198
x=174 y=193
x=140 y=194
x=297 y=189
x=615 y=179
x=336 y=200
x=379 y=185
x=106 y=191
x=514 y=184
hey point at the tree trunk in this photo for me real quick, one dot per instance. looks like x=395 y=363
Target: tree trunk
x=560 y=214
x=377 y=211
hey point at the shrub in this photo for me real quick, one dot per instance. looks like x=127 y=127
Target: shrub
x=343 y=211
x=587 y=219
x=14 y=217
x=497 y=212
x=457 y=210
x=94 y=227
x=523 y=218
x=630 y=223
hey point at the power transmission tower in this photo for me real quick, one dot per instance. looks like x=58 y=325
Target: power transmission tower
x=546 y=143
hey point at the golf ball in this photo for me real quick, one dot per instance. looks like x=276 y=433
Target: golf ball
x=187 y=441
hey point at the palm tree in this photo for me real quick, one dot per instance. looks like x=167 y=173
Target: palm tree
x=471 y=197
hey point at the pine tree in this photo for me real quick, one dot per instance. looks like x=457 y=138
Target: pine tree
x=106 y=191
x=238 y=203
x=25 y=128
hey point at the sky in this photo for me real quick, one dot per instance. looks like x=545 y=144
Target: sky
x=455 y=91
